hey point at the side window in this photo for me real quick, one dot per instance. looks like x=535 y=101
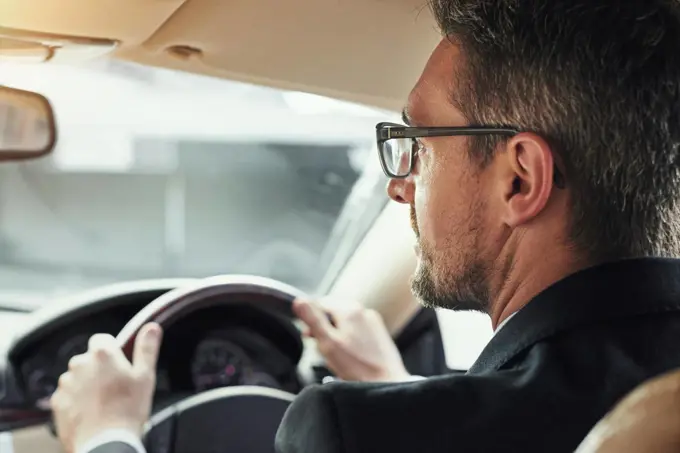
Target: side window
x=465 y=334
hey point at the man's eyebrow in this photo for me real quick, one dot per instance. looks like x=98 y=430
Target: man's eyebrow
x=405 y=117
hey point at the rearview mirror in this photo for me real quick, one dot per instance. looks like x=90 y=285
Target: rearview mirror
x=27 y=125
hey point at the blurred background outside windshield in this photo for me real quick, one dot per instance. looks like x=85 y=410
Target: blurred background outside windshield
x=160 y=173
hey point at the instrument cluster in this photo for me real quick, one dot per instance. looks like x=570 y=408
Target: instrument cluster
x=219 y=362
x=42 y=371
x=196 y=357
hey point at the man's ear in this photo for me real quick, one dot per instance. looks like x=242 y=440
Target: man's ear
x=527 y=182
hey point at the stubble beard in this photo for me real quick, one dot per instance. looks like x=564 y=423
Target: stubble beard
x=463 y=288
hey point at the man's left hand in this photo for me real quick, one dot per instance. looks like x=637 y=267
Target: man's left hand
x=102 y=390
x=355 y=342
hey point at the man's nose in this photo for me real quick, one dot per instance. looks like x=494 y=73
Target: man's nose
x=400 y=190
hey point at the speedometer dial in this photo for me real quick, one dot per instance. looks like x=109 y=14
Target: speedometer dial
x=217 y=363
x=41 y=385
x=73 y=346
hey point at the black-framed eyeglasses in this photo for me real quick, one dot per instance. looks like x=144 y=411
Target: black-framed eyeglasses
x=397 y=146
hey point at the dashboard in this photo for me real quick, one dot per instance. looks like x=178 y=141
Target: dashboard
x=217 y=346
x=248 y=339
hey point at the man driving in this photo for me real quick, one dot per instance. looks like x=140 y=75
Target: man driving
x=541 y=163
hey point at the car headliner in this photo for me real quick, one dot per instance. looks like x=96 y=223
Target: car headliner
x=367 y=51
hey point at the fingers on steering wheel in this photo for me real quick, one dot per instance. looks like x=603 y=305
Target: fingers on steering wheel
x=338 y=311
x=101 y=345
x=76 y=361
x=317 y=320
x=147 y=345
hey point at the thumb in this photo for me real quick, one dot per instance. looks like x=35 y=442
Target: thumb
x=147 y=345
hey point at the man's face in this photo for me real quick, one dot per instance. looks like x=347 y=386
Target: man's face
x=447 y=193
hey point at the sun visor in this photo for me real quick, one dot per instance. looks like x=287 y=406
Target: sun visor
x=127 y=21
x=366 y=51
x=31 y=47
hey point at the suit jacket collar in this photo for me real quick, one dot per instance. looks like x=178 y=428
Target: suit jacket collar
x=620 y=289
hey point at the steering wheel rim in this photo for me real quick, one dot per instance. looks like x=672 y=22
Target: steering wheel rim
x=163 y=429
x=171 y=306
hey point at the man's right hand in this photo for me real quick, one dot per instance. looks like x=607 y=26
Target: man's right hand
x=354 y=341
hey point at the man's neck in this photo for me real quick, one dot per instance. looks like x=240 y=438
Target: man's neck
x=524 y=282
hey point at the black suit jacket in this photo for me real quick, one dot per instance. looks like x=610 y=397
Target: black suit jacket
x=540 y=385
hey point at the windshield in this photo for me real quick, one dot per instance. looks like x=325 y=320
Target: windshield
x=160 y=173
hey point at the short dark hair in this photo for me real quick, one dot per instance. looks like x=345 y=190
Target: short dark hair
x=600 y=81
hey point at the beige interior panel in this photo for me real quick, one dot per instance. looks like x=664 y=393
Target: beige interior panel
x=389 y=262
x=369 y=51
x=35 y=440
x=130 y=21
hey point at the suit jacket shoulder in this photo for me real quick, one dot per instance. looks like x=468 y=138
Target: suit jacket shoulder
x=351 y=417
x=311 y=423
x=546 y=399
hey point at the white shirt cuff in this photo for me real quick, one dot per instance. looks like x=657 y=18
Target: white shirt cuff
x=113 y=435
x=415 y=377
x=410 y=378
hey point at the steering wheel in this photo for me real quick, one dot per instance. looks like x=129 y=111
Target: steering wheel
x=241 y=418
